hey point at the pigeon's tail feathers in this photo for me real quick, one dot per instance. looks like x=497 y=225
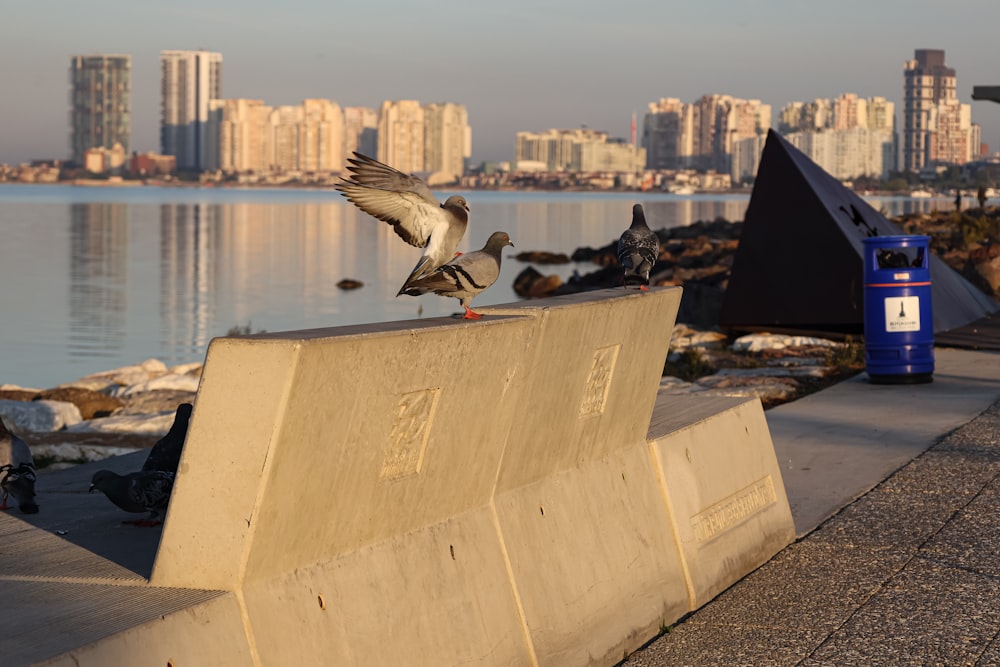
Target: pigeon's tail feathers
x=424 y=266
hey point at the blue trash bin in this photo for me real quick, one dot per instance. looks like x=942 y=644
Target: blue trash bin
x=899 y=321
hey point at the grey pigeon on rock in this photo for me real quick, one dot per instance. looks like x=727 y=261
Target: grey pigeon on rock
x=17 y=472
x=465 y=276
x=406 y=203
x=638 y=248
x=143 y=491
x=166 y=453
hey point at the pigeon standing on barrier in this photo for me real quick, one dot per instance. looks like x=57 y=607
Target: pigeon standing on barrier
x=638 y=248
x=465 y=277
x=406 y=203
x=17 y=472
x=148 y=490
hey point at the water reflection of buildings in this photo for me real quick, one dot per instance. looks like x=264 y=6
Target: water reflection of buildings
x=271 y=266
x=98 y=290
x=187 y=243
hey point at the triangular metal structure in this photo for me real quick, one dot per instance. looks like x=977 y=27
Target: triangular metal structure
x=799 y=264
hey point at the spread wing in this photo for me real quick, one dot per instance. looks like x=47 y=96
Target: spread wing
x=403 y=201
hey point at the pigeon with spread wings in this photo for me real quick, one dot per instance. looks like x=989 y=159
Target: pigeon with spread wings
x=406 y=203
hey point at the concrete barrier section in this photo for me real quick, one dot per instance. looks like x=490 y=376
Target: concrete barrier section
x=723 y=486
x=592 y=552
x=441 y=492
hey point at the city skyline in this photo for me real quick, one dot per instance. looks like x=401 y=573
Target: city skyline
x=516 y=67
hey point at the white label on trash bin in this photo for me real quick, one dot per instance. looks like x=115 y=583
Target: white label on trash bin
x=902 y=313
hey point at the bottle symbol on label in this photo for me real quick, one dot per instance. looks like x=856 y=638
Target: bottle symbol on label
x=902 y=311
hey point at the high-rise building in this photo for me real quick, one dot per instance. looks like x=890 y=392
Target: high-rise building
x=360 y=131
x=805 y=116
x=926 y=83
x=668 y=134
x=100 y=103
x=401 y=135
x=447 y=138
x=239 y=136
x=321 y=136
x=701 y=135
x=190 y=81
x=578 y=150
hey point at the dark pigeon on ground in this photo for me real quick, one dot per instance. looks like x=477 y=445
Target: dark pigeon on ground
x=466 y=276
x=638 y=248
x=407 y=203
x=148 y=490
x=143 y=491
x=166 y=453
x=17 y=472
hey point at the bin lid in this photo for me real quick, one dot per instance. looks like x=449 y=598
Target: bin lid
x=799 y=263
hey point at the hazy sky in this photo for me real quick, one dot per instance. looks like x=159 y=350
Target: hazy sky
x=515 y=64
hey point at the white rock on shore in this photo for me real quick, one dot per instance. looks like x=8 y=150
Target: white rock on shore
x=150 y=392
x=39 y=416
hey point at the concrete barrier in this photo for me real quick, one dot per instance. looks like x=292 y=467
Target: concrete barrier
x=443 y=492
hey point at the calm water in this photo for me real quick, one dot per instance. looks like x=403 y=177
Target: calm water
x=96 y=278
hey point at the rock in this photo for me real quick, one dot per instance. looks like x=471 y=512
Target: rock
x=91 y=403
x=545 y=286
x=152 y=402
x=542 y=257
x=126 y=375
x=984 y=262
x=350 y=283
x=146 y=424
x=763 y=387
x=18 y=394
x=684 y=337
x=776 y=371
x=68 y=453
x=530 y=284
x=169 y=382
x=39 y=416
x=193 y=368
x=766 y=341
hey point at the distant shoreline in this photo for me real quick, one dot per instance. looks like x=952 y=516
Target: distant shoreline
x=131 y=183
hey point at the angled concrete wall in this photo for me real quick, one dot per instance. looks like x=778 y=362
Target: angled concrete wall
x=502 y=492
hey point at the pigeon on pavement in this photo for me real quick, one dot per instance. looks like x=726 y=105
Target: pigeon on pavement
x=406 y=203
x=166 y=453
x=143 y=491
x=17 y=472
x=638 y=248
x=465 y=276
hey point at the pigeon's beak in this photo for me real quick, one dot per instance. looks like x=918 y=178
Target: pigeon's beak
x=91 y=489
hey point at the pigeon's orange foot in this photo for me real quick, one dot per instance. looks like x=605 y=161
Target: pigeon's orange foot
x=471 y=315
x=643 y=288
x=458 y=254
x=145 y=523
x=5 y=506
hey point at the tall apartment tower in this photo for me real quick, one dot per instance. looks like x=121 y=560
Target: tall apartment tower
x=360 y=131
x=447 y=138
x=100 y=103
x=401 y=135
x=190 y=80
x=926 y=83
x=668 y=134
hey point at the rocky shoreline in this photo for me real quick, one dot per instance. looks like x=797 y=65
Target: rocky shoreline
x=699 y=257
x=104 y=414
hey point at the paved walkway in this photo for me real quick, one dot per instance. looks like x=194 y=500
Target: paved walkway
x=895 y=493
